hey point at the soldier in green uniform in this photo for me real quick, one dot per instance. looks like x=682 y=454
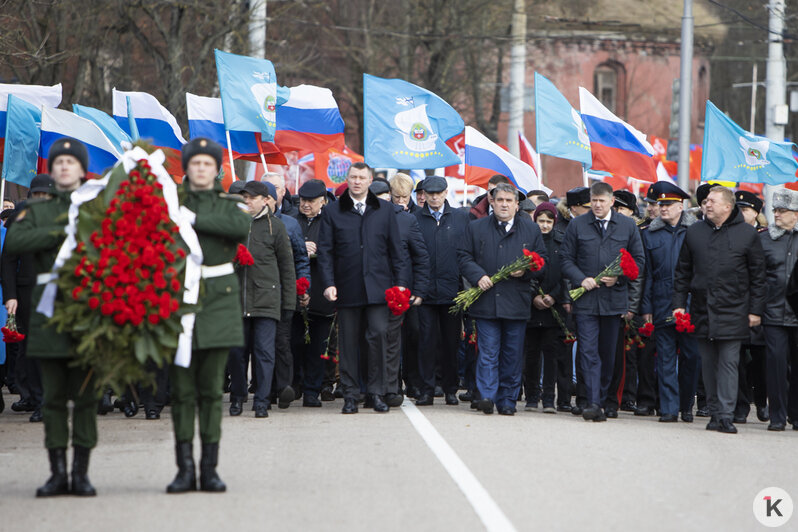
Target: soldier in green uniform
x=39 y=229
x=220 y=225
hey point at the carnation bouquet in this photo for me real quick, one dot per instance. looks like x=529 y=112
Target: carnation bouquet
x=466 y=298
x=398 y=300
x=624 y=264
x=122 y=278
x=10 y=333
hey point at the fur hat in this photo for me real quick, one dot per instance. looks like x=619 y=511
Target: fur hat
x=68 y=146
x=201 y=145
x=785 y=199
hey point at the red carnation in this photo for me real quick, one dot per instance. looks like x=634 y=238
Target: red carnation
x=536 y=262
x=646 y=330
x=302 y=285
x=243 y=256
x=398 y=300
x=628 y=265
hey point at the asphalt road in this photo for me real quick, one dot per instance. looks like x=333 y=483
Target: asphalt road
x=315 y=469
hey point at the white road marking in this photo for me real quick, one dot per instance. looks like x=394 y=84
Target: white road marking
x=486 y=508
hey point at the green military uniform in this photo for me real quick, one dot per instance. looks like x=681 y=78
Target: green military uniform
x=39 y=229
x=220 y=225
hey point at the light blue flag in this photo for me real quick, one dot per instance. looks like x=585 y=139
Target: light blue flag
x=248 y=87
x=406 y=126
x=733 y=154
x=559 y=130
x=108 y=125
x=23 y=134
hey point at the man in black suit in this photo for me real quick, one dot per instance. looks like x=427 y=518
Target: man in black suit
x=360 y=256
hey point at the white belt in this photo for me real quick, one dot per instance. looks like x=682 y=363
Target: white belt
x=44 y=278
x=218 y=270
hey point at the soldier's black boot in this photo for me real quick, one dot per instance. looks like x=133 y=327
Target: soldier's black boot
x=58 y=483
x=186 y=478
x=81 y=486
x=209 y=479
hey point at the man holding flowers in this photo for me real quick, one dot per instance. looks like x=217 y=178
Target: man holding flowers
x=592 y=242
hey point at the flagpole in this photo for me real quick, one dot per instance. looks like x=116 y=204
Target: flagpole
x=3 y=189
x=230 y=153
x=262 y=157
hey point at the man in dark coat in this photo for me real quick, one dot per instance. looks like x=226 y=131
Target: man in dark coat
x=780 y=244
x=268 y=290
x=413 y=246
x=320 y=311
x=483 y=205
x=360 y=256
x=592 y=242
x=722 y=268
x=442 y=228
x=662 y=241
x=502 y=310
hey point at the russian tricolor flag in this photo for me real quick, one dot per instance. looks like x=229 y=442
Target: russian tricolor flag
x=57 y=123
x=152 y=121
x=528 y=153
x=617 y=147
x=309 y=121
x=484 y=159
x=38 y=95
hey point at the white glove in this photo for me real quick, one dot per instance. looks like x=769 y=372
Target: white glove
x=188 y=214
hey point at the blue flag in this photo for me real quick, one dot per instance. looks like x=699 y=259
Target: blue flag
x=248 y=88
x=559 y=130
x=23 y=133
x=406 y=126
x=108 y=125
x=733 y=154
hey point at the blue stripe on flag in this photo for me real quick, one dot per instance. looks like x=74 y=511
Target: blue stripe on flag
x=160 y=132
x=99 y=159
x=320 y=121
x=612 y=134
x=487 y=159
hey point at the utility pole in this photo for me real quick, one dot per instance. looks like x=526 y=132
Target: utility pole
x=517 y=75
x=257 y=29
x=776 y=111
x=685 y=95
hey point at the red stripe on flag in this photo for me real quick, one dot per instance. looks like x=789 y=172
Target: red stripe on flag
x=623 y=163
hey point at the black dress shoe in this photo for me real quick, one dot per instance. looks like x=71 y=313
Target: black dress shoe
x=466 y=396
x=36 y=417
x=702 y=412
x=23 y=405
x=413 y=392
x=644 y=411
x=777 y=427
x=152 y=414
x=600 y=417
x=726 y=426
x=327 y=394
x=668 y=418
x=451 y=399
x=350 y=406
x=740 y=419
x=713 y=424
x=591 y=412
x=424 y=399
x=486 y=405
x=564 y=408
x=577 y=410
x=611 y=413
x=627 y=406
x=131 y=408
x=261 y=411
x=286 y=396
x=475 y=405
x=762 y=413
x=311 y=401
x=505 y=411
x=380 y=405
x=687 y=417
x=394 y=399
x=106 y=405
x=235 y=407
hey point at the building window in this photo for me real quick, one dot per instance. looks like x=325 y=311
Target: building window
x=607 y=87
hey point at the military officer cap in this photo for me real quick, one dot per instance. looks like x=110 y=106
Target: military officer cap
x=198 y=146
x=260 y=188
x=236 y=187
x=379 y=186
x=41 y=183
x=624 y=198
x=667 y=192
x=579 y=196
x=527 y=206
x=68 y=146
x=702 y=192
x=312 y=189
x=650 y=197
x=785 y=199
x=435 y=183
x=743 y=198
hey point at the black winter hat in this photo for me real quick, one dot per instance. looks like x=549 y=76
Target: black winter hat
x=201 y=145
x=68 y=146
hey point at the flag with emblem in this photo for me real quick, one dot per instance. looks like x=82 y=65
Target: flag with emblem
x=406 y=126
x=733 y=154
x=248 y=87
x=23 y=134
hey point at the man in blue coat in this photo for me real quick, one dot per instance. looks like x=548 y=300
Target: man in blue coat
x=360 y=256
x=662 y=241
x=443 y=228
x=502 y=311
x=592 y=242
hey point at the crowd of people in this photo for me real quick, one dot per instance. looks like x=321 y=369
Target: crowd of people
x=705 y=328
